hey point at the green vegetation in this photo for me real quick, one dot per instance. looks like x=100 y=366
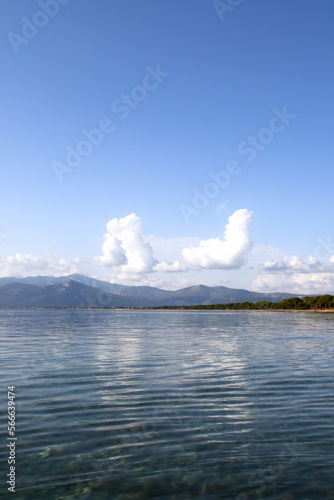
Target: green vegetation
x=320 y=302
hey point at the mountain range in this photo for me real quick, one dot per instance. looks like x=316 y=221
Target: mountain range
x=77 y=290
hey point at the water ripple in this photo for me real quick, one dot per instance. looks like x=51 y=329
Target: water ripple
x=142 y=405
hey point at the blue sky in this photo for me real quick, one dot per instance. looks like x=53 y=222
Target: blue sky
x=184 y=91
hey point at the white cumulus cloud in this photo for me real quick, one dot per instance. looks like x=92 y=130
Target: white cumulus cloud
x=298 y=276
x=24 y=265
x=290 y=265
x=124 y=248
x=229 y=253
x=132 y=256
x=297 y=283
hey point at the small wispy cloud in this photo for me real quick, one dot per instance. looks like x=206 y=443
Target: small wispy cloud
x=222 y=206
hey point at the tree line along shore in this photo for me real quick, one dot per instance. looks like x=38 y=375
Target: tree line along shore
x=316 y=303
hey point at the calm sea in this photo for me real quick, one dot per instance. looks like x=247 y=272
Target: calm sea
x=168 y=405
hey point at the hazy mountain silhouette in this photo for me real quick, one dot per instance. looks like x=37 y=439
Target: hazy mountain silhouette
x=77 y=290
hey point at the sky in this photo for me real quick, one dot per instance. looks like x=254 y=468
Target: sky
x=169 y=143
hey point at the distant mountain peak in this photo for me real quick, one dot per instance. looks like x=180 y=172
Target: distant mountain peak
x=77 y=290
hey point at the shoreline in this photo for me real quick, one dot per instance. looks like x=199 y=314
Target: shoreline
x=172 y=309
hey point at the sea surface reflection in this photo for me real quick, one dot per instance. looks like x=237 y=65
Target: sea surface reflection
x=169 y=405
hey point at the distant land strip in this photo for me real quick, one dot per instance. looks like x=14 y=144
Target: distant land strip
x=320 y=303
